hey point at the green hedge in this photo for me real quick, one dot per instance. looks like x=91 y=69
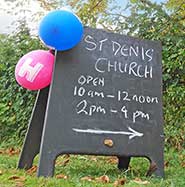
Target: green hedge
x=152 y=21
x=16 y=103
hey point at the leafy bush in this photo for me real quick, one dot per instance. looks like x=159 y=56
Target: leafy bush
x=16 y=103
x=151 y=21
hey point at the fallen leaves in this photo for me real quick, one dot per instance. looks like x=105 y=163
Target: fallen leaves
x=87 y=178
x=103 y=179
x=112 y=160
x=32 y=170
x=139 y=181
x=108 y=142
x=120 y=182
x=11 y=151
x=63 y=162
x=17 y=178
x=13 y=177
x=62 y=176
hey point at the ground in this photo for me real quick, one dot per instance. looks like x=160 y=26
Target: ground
x=95 y=171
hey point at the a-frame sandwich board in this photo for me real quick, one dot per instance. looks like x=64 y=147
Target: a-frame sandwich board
x=105 y=99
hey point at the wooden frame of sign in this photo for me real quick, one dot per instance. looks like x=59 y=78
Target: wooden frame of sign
x=105 y=99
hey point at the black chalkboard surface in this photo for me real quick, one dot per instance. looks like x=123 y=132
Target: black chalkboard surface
x=105 y=99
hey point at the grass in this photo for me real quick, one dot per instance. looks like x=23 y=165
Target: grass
x=76 y=167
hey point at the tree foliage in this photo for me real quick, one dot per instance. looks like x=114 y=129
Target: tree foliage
x=16 y=103
x=89 y=11
x=152 y=21
x=177 y=6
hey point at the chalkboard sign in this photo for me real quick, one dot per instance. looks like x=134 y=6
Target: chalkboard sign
x=105 y=99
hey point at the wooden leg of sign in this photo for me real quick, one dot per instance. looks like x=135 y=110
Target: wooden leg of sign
x=156 y=165
x=46 y=163
x=33 y=137
x=123 y=162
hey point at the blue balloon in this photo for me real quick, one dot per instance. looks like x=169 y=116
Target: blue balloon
x=61 y=30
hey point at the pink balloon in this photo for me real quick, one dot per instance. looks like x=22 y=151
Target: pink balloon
x=34 y=70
